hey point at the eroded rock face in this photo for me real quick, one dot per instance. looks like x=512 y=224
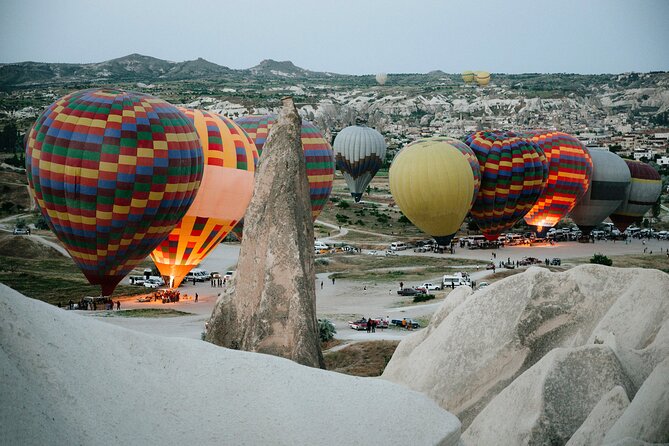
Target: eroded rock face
x=601 y=418
x=474 y=349
x=272 y=307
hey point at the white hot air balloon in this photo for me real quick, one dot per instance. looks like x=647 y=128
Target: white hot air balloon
x=381 y=78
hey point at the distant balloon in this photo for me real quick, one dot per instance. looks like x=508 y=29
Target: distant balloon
x=513 y=174
x=645 y=188
x=609 y=184
x=112 y=173
x=482 y=78
x=318 y=155
x=360 y=152
x=381 y=78
x=569 y=170
x=435 y=182
x=468 y=76
x=227 y=185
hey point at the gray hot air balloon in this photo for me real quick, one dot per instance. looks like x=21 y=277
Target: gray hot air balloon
x=609 y=183
x=645 y=188
x=381 y=78
x=359 y=152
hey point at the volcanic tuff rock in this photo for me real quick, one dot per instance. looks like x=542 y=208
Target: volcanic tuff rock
x=477 y=344
x=601 y=418
x=272 y=308
x=69 y=379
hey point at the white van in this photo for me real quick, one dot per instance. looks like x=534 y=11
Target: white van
x=457 y=279
x=398 y=246
x=318 y=245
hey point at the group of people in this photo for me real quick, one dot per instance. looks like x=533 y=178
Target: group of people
x=167 y=296
x=92 y=305
x=218 y=282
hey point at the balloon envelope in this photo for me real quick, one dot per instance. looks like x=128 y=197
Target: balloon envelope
x=609 y=183
x=112 y=173
x=468 y=76
x=482 y=78
x=569 y=170
x=225 y=192
x=360 y=152
x=645 y=188
x=513 y=174
x=434 y=182
x=381 y=78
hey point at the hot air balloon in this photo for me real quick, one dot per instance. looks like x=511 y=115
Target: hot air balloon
x=645 y=188
x=569 y=170
x=482 y=78
x=227 y=185
x=381 y=78
x=435 y=182
x=112 y=173
x=318 y=155
x=513 y=174
x=609 y=183
x=468 y=76
x=360 y=152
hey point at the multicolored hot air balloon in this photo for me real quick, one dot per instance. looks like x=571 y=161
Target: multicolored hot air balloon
x=482 y=78
x=513 y=174
x=318 y=155
x=468 y=76
x=435 y=182
x=569 y=170
x=609 y=184
x=227 y=185
x=112 y=172
x=645 y=188
x=381 y=78
x=360 y=152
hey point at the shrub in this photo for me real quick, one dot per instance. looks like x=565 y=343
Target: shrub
x=343 y=204
x=326 y=330
x=341 y=218
x=601 y=259
x=423 y=297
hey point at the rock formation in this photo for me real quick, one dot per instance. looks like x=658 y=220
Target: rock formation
x=272 y=307
x=485 y=345
x=68 y=379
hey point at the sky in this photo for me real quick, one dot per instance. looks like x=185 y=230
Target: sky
x=348 y=36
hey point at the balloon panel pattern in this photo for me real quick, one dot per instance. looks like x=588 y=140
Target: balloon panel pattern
x=645 y=188
x=513 y=174
x=112 y=172
x=569 y=170
x=230 y=158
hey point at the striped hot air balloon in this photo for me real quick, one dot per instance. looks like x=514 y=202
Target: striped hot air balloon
x=227 y=185
x=569 y=170
x=435 y=181
x=513 y=174
x=645 y=188
x=468 y=76
x=112 y=172
x=318 y=155
x=482 y=78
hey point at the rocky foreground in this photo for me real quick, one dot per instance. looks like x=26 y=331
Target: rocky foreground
x=577 y=358
x=67 y=379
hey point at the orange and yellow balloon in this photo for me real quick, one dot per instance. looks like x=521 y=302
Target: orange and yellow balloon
x=227 y=185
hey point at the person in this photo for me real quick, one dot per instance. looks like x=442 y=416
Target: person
x=333 y=281
x=118 y=304
x=404 y=323
x=369 y=325
x=196 y=296
x=373 y=325
x=401 y=285
x=493 y=268
x=321 y=284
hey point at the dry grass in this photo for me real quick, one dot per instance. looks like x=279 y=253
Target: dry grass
x=654 y=261
x=362 y=358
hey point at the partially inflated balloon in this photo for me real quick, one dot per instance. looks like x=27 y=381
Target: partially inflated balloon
x=513 y=174
x=482 y=78
x=224 y=195
x=645 y=188
x=112 y=173
x=360 y=152
x=609 y=184
x=569 y=170
x=381 y=78
x=468 y=77
x=435 y=182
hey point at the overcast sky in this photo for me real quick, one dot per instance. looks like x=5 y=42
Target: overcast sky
x=348 y=36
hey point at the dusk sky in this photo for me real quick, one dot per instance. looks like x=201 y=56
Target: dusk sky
x=348 y=36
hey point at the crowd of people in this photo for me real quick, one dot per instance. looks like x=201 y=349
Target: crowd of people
x=167 y=296
x=92 y=304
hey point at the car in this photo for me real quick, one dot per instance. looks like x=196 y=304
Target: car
x=409 y=292
x=21 y=231
x=136 y=280
x=556 y=261
x=390 y=253
x=229 y=274
x=398 y=322
x=430 y=286
x=482 y=285
x=153 y=283
x=529 y=261
x=361 y=324
x=214 y=275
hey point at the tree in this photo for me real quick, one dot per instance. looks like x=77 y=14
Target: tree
x=326 y=330
x=9 y=137
x=601 y=259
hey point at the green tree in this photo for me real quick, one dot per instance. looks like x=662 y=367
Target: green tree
x=9 y=137
x=326 y=330
x=601 y=259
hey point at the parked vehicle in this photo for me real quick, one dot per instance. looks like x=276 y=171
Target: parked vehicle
x=408 y=292
x=199 y=275
x=361 y=324
x=398 y=246
x=482 y=285
x=457 y=279
x=229 y=274
x=430 y=286
x=318 y=245
x=390 y=253
x=21 y=231
x=136 y=280
x=153 y=283
x=556 y=261
x=398 y=322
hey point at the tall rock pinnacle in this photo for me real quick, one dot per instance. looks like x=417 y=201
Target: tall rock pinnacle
x=272 y=306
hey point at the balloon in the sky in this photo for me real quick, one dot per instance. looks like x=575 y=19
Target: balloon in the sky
x=645 y=188
x=112 y=172
x=482 y=78
x=225 y=192
x=318 y=155
x=468 y=76
x=360 y=152
x=609 y=183
x=513 y=174
x=569 y=170
x=435 y=182
x=381 y=78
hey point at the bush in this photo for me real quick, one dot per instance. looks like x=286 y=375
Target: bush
x=341 y=218
x=343 y=204
x=422 y=297
x=326 y=330
x=601 y=259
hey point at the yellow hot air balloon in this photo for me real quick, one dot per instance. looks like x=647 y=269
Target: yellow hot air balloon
x=434 y=181
x=482 y=78
x=468 y=77
x=227 y=185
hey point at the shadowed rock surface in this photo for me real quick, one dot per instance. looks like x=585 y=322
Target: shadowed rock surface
x=272 y=307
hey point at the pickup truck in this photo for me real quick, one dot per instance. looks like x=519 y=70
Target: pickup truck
x=430 y=286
